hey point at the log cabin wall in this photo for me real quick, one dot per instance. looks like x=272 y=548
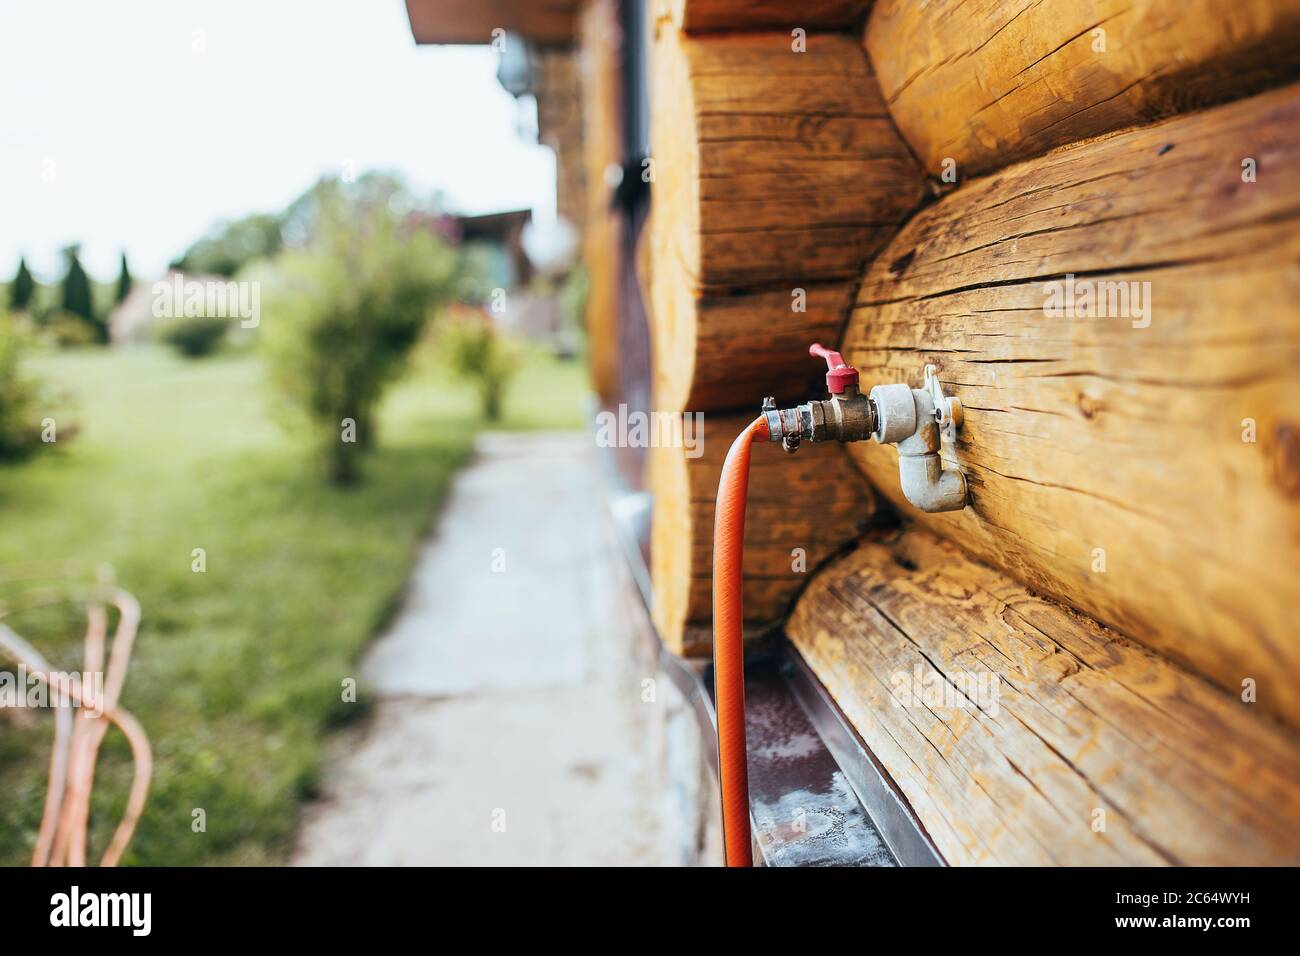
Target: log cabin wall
x=1105 y=455
x=984 y=83
x=1130 y=444
x=777 y=174
x=1140 y=467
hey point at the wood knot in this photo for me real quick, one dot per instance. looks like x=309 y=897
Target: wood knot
x=899 y=265
x=1089 y=407
x=904 y=561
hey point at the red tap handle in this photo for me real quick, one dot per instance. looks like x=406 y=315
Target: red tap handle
x=839 y=375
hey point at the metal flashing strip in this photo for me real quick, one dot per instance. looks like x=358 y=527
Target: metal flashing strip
x=803 y=809
x=889 y=810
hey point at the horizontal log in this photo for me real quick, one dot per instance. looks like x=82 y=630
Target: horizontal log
x=801 y=509
x=1025 y=734
x=785 y=163
x=707 y=15
x=989 y=82
x=777 y=174
x=1143 y=467
x=732 y=350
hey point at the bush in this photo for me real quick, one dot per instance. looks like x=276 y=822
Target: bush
x=343 y=314
x=477 y=352
x=21 y=396
x=67 y=330
x=196 y=336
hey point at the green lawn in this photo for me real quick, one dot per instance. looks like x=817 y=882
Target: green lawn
x=238 y=671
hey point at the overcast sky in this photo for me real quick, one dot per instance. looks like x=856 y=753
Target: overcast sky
x=136 y=124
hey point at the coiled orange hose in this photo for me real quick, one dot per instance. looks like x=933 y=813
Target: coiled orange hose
x=62 y=836
x=728 y=636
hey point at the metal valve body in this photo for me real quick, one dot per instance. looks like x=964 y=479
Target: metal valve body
x=914 y=419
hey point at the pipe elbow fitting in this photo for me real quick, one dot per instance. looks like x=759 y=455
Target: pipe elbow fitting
x=928 y=485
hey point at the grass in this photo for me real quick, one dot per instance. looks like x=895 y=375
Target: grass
x=237 y=674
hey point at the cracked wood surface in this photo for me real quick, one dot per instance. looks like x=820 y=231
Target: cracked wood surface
x=1082 y=720
x=989 y=82
x=1106 y=462
x=779 y=520
x=775 y=171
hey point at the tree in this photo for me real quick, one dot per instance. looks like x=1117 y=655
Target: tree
x=75 y=292
x=478 y=354
x=22 y=289
x=345 y=310
x=124 y=282
x=229 y=246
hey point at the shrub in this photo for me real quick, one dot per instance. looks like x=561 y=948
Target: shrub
x=21 y=396
x=477 y=352
x=67 y=330
x=343 y=314
x=196 y=336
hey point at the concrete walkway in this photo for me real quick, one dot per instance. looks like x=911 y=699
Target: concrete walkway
x=510 y=726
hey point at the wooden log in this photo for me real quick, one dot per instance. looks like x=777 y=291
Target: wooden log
x=989 y=82
x=801 y=509
x=709 y=15
x=779 y=161
x=1023 y=733
x=600 y=37
x=776 y=175
x=1144 y=468
x=745 y=346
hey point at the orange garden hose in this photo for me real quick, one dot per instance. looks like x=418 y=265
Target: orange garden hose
x=728 y=634
x=64 y=823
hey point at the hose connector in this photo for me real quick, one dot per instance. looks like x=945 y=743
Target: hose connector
x=914 y=419
x=847 y=415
